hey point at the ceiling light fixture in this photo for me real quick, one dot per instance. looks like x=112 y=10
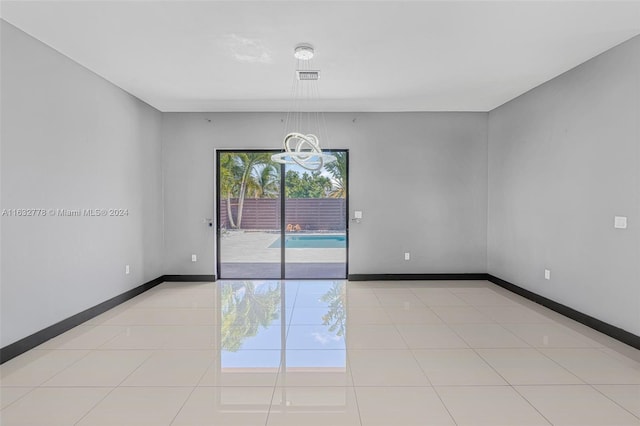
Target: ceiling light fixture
x=303 y=52
x=304 y=128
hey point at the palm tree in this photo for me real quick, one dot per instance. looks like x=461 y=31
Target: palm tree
x=228 y=181
x=238 y=171
x=338 y=170
x=266 y=178
x=246 y=161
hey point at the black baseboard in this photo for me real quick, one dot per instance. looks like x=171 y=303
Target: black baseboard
x=14 y=349
x=423 y=277
x=190 y=278
x=601 y=326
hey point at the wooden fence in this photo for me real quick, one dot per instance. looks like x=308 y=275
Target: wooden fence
x=312 y=214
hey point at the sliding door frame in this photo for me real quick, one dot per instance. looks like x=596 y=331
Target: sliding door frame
x=216 y=207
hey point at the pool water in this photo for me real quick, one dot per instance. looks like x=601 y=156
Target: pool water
x=312 y=241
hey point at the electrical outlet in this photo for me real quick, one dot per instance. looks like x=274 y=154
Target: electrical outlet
x=620 y=222
x=547 y=274
x=126 y=269
x=194 y=258
x=407 y=256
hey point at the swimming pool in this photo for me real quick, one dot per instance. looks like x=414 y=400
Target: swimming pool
x=312 y=241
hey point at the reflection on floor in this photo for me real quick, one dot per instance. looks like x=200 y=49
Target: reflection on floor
x=325 y=353
x=235 y=270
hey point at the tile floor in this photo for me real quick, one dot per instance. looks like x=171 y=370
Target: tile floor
x=325 y=353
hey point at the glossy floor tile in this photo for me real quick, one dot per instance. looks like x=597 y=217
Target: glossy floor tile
x=488 y=336
x=595 y=366
x=10 y=394
x=576 y=405
x=225 y=406
x=313 y=406
x=627 y=396
x=386 y=368
x=84 y=337
x=428 y=336
x=138 y=406
x=53 y=406
x=527 y=366
x=375 y=336
x=489 y=405
x=172 y=368
x=100 y=368
x=412 y=315
x=513 y=314
x=550 y=336
x=456 y=367
x=461 y=315
x=37 y=366
x=407 y=406
x=269 y=352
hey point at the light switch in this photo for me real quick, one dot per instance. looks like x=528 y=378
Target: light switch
x=620 y=222
x=357 y=214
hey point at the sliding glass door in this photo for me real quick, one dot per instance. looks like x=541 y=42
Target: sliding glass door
x=280 y=221
x=316 y=220
x=249 y=215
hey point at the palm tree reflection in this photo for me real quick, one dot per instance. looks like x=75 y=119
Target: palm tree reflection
x=248 y=307
x=245 y=308
x=336 y=316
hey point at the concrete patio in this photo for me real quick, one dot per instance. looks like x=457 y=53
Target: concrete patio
x=247 y=254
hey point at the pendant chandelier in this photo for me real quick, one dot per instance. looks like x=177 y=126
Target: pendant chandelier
x=303 y=127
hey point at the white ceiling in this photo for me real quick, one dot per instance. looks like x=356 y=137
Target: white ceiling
x=373 y=55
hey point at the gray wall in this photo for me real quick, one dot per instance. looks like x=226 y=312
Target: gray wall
x=71 y=140
x=564 y=159
x=432 y=166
